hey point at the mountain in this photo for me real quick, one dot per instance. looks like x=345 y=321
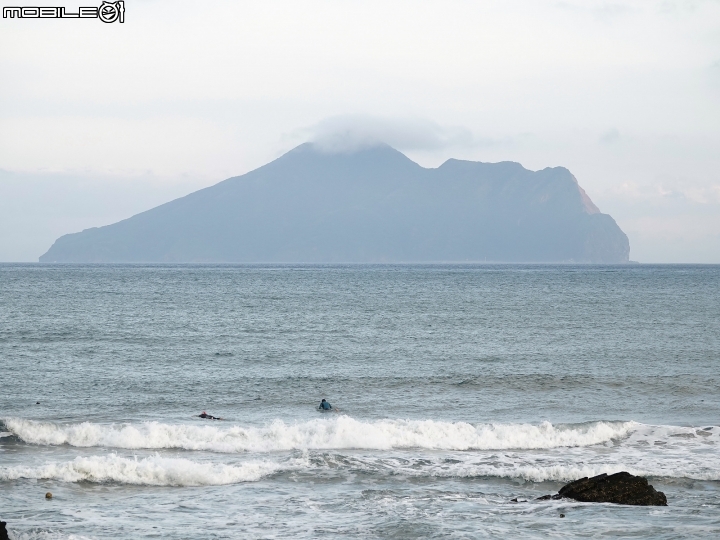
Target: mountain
x=370 y=205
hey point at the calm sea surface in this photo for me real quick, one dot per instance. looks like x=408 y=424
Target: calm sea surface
x=458 y=388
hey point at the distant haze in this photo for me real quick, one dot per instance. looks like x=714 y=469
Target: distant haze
x=101 y=121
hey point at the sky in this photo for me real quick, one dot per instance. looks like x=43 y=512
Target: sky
x=101 y=121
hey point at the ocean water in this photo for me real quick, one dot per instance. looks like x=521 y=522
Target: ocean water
x=458 y=389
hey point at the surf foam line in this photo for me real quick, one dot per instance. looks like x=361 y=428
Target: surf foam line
x=568 y=473
x=149 y=471
x=44 y=535
x=540 y=468
x=341 y=432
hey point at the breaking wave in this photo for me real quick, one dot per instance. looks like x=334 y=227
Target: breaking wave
x=569 y=471
x=149 y=471
x=164 y=471
x=341 y=432
x=44 y=535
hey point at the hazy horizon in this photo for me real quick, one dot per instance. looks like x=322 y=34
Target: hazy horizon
x=100 y=122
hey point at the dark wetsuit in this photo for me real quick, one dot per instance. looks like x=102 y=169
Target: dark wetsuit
x=325 y=406
x=209 y=417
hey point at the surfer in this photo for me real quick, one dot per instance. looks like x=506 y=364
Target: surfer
x=208 y=416
x=325 y=406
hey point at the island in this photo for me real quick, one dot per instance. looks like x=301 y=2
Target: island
x=369 y=205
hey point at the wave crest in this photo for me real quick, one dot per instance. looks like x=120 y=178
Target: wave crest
x=341 y=432
x=149 y=471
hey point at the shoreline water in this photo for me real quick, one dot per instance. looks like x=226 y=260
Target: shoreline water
x=461 y=389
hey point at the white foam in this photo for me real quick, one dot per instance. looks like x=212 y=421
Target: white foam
x=340 y=432
x=573 y=471
x=559 y=464
x=44 y=535
x=149 y=471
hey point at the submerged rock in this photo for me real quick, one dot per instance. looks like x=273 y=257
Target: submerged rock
x=619 y=488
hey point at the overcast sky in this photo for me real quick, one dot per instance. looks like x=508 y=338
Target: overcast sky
x=101 y=121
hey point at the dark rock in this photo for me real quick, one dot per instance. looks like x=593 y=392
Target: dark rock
x=3 y=531
x=514 y=500
x=619 y=488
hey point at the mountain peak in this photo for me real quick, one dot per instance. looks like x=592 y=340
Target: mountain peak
x=369 y=150
x=370 y=203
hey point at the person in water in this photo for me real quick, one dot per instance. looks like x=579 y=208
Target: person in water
x=208 y=416
x=325 y=406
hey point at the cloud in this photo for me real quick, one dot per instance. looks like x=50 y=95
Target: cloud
x=662 y=191
x=713 y=73
x=600 y=10
x=352 y=132
x=609 y=137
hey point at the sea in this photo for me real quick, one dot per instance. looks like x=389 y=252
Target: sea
x=456 y=391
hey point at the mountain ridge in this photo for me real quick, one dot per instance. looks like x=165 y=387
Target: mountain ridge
x=370 y=205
